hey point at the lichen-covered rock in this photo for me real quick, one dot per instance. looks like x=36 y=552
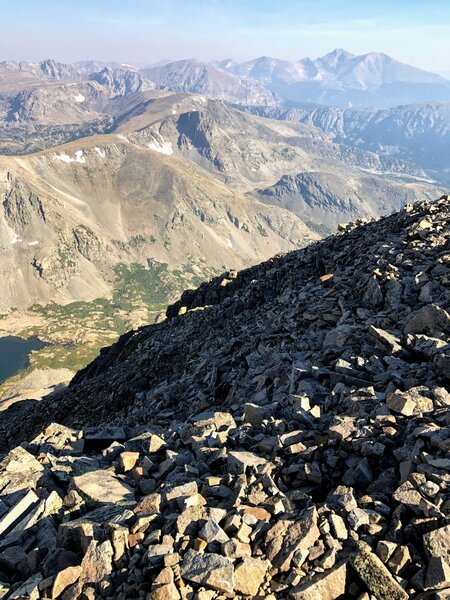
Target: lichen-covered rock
x=375 y=575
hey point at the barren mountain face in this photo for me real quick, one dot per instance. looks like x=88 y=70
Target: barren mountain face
x=419 y=133
x=71 y=213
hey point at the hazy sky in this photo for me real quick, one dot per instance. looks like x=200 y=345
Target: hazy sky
x=146 y=31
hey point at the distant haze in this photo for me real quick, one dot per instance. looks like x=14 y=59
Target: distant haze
x=146 y=31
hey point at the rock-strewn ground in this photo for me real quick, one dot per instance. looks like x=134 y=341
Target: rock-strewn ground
x=286 y=436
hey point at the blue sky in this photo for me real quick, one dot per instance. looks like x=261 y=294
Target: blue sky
x=146 y=31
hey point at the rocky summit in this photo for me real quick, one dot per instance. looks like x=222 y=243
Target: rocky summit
x=284 y=433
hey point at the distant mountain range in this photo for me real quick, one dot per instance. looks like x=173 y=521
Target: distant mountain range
x=418 y=133
x=338 y=78
x=196 y=77
x=370 y=101
x=344 y=79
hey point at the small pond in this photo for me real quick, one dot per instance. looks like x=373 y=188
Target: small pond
x=14 y=353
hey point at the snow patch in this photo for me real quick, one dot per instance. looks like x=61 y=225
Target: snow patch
x=161 y=146
x=79 y=98
x=64 y=157
x=230 y=243
x=79 y=158
x=174 y=112
x=201 y=99
x=15 y=239
x=33 y=243
x=100 y=152
x=122 y=137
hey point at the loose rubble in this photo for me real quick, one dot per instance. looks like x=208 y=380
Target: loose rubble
x=288 y=436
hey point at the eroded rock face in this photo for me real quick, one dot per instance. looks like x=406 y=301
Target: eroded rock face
x=290 y=442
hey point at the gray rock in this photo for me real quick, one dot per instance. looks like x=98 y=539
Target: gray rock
x=286 y=539
x=255 y=414
x=409 y=403
x=18 y=513
x=249 y=575
x=213 y=532
x=438 y=574
x=101 y=487
x=429 y=319
x=28 y=590
x=97 y=562
x=386 y=341
x=243 y=462
x=326 y=586
x=211 y=570
x=437 y=543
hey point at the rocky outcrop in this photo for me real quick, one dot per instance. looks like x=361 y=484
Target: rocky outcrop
x=121 y=82
x=287 y=438
x=197 y=77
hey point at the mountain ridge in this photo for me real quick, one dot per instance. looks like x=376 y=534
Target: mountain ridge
x=182 y=177
x=338 y=77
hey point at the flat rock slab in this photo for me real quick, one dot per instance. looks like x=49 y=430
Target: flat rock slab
x=287 y=538
x=19 y=472
x=77 y=534
x=101 y=487
x=20 y=461
x=326 y=586
x=97 y=562
x=29 y=589
x=438 y=574
x=101 y=437
x=65 y=578
x=18 y=512
x=211 y=570
x=249 y=575
x=385 y=339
